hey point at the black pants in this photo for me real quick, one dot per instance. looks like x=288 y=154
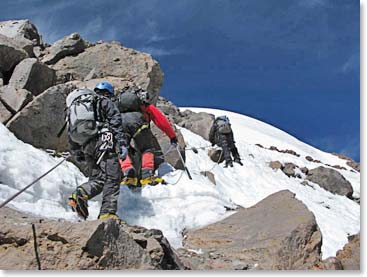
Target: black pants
x=103 y=178
x=226 y=142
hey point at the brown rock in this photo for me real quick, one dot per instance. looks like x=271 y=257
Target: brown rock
x=277 y=233
x=99 y=244
x=216 y=155
x=289 y=169
x=135 y=67
x=349 y=256
x=309 y=158
x=331 y=263
x=210 y=176
x=15 y=99
x=33 y=76
x=198 y=123
x=276 y=165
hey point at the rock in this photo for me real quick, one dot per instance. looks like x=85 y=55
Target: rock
x=277 y=233
x=198 y=123
x=70 y=45
x=11 y=53
x=98 y=244
x=118 y=83
x=210 y=176
x=39 y=122
x=350 y=161
x=349 y=256
x=274 y=148
x=5 y=114
x=289 y=169
x=216 y=155
x=339 y=167
x=309 y=158
x=331 y=263
x=292 y=152
x=259 y=145
x=275 y=165
x=304 y=170
x=132 y=66
x=169 y=109
x=330 y=180
x=15 y=98
x=1 y=80
x=172 y=156
x=21 y=29
x=32 y=75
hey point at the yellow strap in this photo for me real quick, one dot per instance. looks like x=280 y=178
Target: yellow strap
x=144 y=126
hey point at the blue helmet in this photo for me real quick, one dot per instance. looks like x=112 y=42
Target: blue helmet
x=104 y=86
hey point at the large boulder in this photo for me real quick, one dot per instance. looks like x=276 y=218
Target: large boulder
x=70 y=45
x=20 y=30
x=32 y=75
x=15 y=98
x=330 y=180
x=5 y=114
x=112 y=59
x=198 y=123
x=63 y=245
x=39 y=122
x=170 y=154
x=216 y=155
x=11 y=53
x=277 y=233
x=349 y=256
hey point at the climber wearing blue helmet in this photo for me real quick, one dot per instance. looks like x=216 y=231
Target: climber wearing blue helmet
x=104 y=88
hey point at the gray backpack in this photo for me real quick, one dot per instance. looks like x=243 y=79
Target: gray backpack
x=223 y=125
x=81 y=115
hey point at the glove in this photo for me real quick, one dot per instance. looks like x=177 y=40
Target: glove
x=174 y=141
x=123 y=153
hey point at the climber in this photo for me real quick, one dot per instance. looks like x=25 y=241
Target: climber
x=96 y=139
x=136 y=113
x=221 y=134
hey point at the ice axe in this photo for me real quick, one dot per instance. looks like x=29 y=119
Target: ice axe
x=183 y=162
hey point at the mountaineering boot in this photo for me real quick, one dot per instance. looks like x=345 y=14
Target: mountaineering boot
x=78 y=201
x=111 y=216
x=228 y=163
x=148 y=178
x=129 y=178
x=238 y=160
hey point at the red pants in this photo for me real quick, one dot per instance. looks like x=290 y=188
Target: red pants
x=147 y=162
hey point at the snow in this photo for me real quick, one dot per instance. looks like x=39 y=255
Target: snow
x=186 y=204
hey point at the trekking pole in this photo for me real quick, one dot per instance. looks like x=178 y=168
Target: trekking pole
x=183 y=162
x=31 y=184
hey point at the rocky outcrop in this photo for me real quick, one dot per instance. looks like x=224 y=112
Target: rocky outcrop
x=330 y=180
x=198 y=123
x=11 y=53
x=349 y=256
x=62 y=245
x=21 y=30
x=15 y=98
x=68 y=46
x=32 y=75
x=112 y=59
x=39 y=122
x=277 y=233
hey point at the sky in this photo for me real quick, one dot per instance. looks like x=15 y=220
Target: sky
x=294 y=64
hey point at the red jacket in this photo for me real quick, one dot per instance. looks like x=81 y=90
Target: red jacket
x=152 y=113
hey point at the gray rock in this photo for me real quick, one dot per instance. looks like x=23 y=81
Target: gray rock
x=1 y=80
x=21 y=29
x=277 y=233
x=39 y=122
x=276 y=165
x=32 y=75
x=112 y=59
x=171 y=156
x=99 y=244
x=349 y=256
x=70 y=45
x=5 y=114
x=289 y=169
x=169 y=109
x=216 y=155
x=11 y=53
x=330 y=180
x=198 y=123
x=209 y=175
x=15 y=98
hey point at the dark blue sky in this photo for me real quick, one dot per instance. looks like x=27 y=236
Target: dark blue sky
x=291 y=63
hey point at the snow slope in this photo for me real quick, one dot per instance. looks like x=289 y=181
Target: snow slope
x=184 y=203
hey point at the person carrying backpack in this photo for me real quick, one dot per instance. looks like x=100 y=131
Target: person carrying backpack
x=96 y=138
x=137 y=113
x=221 y=134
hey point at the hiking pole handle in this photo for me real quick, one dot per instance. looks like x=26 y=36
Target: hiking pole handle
x=31 y=184
x=183 y=162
